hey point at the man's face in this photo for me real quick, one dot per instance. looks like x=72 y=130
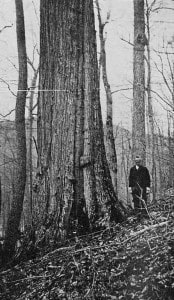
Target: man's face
x=137 y=162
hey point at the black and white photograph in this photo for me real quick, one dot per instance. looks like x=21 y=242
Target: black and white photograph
x=87 y=149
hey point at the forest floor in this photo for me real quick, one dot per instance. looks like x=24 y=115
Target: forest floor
x=131 y=260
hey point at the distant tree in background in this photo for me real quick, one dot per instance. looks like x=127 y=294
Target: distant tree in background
x=31 y=154
x=7 y=161
x=13 y=222
x=138 y=117
x=109 y=136
x=165 y=68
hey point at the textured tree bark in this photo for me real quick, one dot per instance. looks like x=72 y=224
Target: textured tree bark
x=90 y=95
x=150 y=107
x=56 y=116
x=101 y=186
x=138 y=119
x=12 y=230
x=73 y=172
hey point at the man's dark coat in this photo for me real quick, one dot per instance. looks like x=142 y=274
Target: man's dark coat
x=139 y=179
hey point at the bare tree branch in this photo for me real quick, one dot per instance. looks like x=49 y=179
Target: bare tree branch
x=34 y=49
x=5 y=82
x=34 y=106
x=7 y=26
x=12 y=64
x=35 y=12
x=31 y=64
x=152 y=4
x=169 y=104
x=162 y=73
x=128 y=42
x=161 y=8
x=120 y=90
x=161 y=52
x=4 y=116
x=171 y=69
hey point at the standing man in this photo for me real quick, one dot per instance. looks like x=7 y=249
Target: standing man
x=139 y=184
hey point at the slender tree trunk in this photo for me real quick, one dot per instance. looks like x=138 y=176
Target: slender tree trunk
x=160 y=155
x=172 y=137
x=125 y=165
x=138 y=120
x=5 y=200
x=0 y=196
x=29 y=205
x=14 y=217
x=73 y=172
x=150 y=107
x=170 y=147
x=110 y=142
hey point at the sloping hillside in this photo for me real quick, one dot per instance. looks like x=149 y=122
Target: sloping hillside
x=132 y=260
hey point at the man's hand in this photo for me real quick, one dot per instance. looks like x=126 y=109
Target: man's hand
x=130 y=190
x=147 y=190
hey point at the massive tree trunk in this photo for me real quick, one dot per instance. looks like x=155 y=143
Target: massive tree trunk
x=73 y=174
x=56 y=109
x=138 y=119
x=110 y=141
x=14 y=217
